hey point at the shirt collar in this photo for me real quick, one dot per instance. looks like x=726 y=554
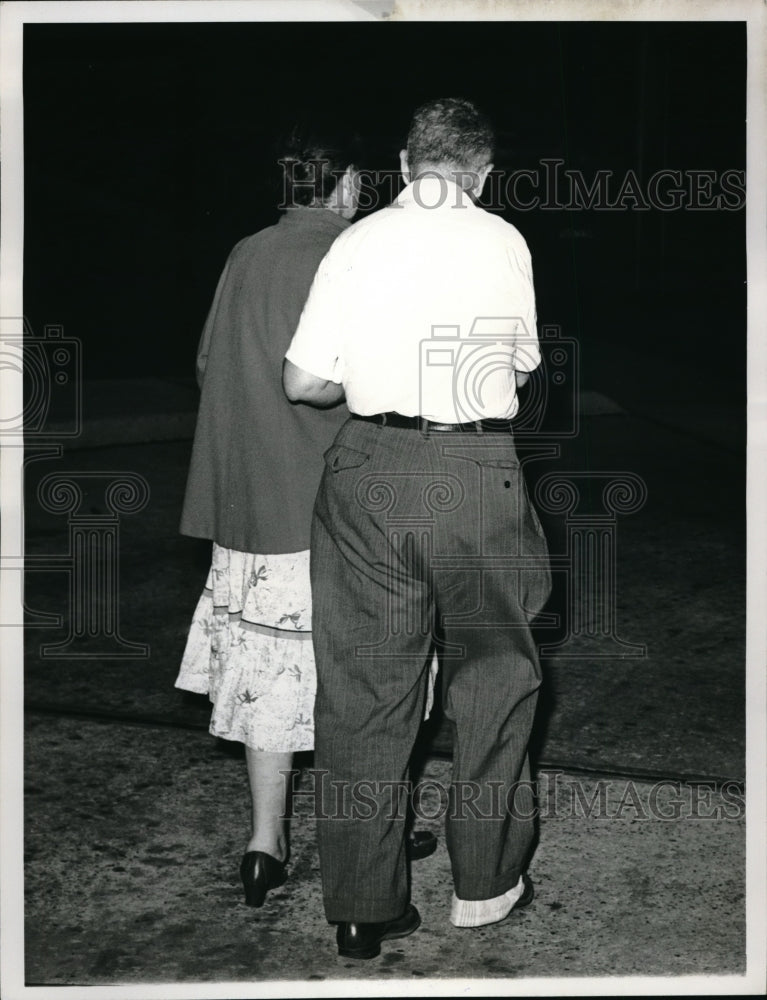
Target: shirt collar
x=432 y=191
x=306 y=214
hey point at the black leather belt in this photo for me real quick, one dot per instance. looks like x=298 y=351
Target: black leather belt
x=393 y=419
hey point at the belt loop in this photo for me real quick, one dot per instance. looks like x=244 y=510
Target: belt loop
x=383 y=420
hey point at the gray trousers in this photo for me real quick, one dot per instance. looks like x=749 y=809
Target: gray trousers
x=415 y=539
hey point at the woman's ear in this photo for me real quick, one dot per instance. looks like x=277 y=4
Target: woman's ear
x=349 y=193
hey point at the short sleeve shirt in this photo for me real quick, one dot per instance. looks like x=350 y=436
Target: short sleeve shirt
x=426 y=308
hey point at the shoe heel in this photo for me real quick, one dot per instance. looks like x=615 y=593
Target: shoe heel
x=253 y=884
x=253 y=897
x=260 y=873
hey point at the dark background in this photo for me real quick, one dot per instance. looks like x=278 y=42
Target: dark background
x=149 y=153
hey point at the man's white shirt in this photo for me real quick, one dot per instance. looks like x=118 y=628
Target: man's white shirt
x=426 y=308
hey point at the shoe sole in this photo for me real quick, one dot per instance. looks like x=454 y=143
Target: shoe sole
x=420 y=854
x=375 y=950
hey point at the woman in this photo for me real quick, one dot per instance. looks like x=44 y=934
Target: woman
x=256 y=464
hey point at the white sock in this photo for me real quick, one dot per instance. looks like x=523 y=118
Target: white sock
x=478 y=912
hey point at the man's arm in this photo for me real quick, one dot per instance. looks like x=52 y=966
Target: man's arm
x=521 y=378
x=303 y=387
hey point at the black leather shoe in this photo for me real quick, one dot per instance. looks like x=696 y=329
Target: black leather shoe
x=420 y=844
x=528 y=893
x=260 y=872
x=364 y=940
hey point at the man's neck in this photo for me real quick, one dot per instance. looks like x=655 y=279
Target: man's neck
x=466 y=180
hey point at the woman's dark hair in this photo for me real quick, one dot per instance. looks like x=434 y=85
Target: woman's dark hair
x=313 y=157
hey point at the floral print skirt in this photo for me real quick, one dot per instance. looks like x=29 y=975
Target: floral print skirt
x=250 y=650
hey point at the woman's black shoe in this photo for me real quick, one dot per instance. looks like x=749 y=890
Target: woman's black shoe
x=260 y=872
x=420 y=844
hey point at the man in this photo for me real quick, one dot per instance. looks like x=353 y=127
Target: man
x=423 y=315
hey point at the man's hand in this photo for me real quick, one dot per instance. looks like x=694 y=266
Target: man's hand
x=521 y=378
x=302 y=387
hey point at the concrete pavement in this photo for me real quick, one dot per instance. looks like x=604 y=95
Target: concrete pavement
x=135 y=817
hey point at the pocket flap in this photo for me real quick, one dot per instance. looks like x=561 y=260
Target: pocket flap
x=339 y=456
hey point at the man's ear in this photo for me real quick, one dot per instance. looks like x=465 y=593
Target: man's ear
x=481 y=178
x=404 y=165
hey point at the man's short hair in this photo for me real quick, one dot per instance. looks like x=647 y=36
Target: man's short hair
x=452 y=132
